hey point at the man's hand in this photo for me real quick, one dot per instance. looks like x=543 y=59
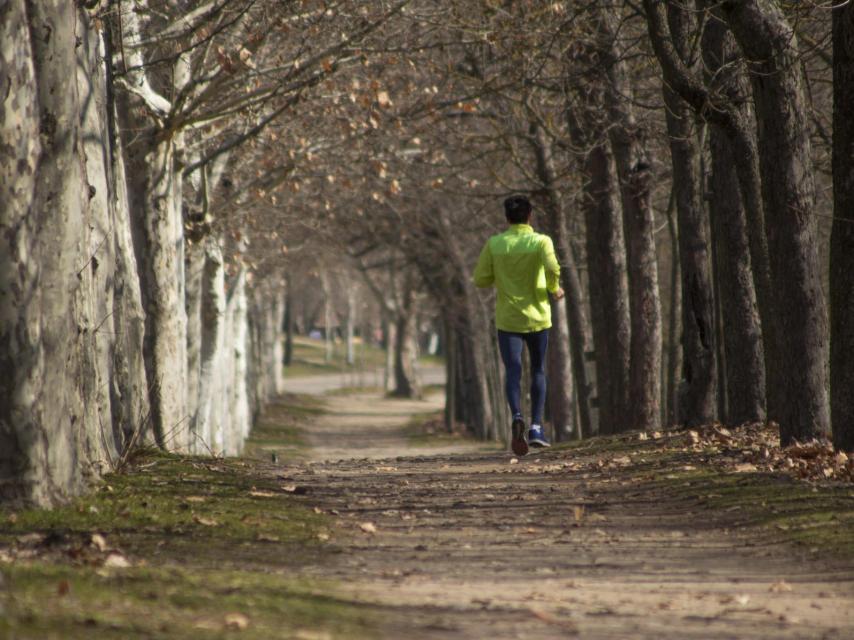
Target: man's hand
x=559 y=294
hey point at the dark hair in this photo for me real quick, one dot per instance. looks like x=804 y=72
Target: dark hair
x=517 y=209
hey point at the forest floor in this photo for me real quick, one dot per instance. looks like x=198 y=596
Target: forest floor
x=369 y=525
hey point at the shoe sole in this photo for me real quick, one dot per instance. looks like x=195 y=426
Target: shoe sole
x=539 y=444
x=518 y=442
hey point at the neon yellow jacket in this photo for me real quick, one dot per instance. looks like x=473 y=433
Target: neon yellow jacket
x=522 y=266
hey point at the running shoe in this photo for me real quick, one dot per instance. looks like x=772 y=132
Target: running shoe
x=518 y=442
x=537 y=437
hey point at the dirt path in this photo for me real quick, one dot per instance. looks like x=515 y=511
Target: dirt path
x=470 y=544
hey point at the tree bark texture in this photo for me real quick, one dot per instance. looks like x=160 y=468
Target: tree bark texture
x=569 y=321
x=627 y=139
x=212 y=345
x=609 y=297
x=842 y=233
x=559 y=374
x=74 y=395
x=70 y=400
x=406 y=384
x=742 y=332
x=475 y=387
x=788 y=192
x=633 y=169
x=155 y=197
x=721 y=98
x=674 y=353
x=699 y=376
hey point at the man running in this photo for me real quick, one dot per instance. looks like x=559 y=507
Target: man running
x=522 y=266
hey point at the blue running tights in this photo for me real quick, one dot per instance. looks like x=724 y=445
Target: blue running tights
x=510 y=345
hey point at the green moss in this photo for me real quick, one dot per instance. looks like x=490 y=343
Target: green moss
x=205 y=537
x=56 y=601
x=348 y=391
x=279 y=430
x=309 y=358
x=196 y=497
x=623 y=443
x=818 y=517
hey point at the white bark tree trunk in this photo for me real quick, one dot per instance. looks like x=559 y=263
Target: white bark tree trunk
x=67 y=314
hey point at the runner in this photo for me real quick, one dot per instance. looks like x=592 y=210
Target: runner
x=521 y=264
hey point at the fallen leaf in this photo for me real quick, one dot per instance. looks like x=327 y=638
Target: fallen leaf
x=99 y=542
x=63 y=588
x=116 y=561
x=780 y=587
x=745 y=467
x=207 y=522
x=266 y=537
x=195 y=499
x=236 y=621
x=368 y=527
x=293 y=488
x=323 y=537
x=31 y=538
x=262 y=494
x=578 y=512
x=514 y=460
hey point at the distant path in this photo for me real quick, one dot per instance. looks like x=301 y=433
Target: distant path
x=461 y=543
x=323 y=383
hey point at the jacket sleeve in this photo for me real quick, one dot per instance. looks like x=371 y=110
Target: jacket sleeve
x=550 y=264
x=483 y=274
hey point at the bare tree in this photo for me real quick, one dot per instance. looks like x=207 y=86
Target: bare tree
x=788 y=190
x=842 y=238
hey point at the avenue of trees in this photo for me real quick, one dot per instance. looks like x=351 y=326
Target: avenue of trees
x=171 y=170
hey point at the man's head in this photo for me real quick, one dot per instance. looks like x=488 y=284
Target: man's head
x=517 y=209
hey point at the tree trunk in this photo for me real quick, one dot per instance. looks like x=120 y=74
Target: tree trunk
x=406 y=384
x=289 y=322
x=609 y=296
x=559 y=375
x=350 y=323
x=722 y=100
x=742 y=333
x=450 y=349
x=842 y=233
x=633 y=169
x=71 y=399
x=578 y=330
x=734 y=183
x=788 y=192
x=699 y=376
x=39 y=410
x=567 y=318
x=212 y=308
x=389 y=340
x=327 y=317
x=674 y=353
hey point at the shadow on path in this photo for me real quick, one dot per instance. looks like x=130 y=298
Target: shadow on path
x=461 y=543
